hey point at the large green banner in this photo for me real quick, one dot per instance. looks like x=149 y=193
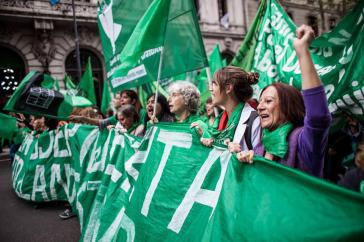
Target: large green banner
x=338 y=55
x=168 y=187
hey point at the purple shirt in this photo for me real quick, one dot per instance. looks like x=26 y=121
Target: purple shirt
x=307 y=145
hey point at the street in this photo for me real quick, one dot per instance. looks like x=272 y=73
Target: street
x=25 y=221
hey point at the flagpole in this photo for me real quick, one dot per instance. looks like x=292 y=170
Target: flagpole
x=158 y=78
x=210 y=87
x=78 y=59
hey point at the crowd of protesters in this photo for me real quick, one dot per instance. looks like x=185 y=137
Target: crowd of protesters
x=286 y=126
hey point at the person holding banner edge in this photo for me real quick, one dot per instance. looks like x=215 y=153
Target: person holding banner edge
x=295 y=126
x=239 y=124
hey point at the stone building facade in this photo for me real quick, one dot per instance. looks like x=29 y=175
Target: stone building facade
x=34 y=35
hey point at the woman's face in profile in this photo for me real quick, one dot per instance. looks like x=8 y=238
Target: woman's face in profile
x=268 y=109
x=176 y=103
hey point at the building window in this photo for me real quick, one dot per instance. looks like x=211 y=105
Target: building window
x=332 y=23
x=312 y=21
x=223 y=10
x=12 y=72
x=97 y=73
x=223 y=13
x=290 y=14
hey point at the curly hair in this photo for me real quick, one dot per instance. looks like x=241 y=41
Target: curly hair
x=129 y=111
x=239 y=79
x=190 y=94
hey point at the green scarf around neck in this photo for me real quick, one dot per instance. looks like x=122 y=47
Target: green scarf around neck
x=229 y=131
x=134 y=126
x=275 y=142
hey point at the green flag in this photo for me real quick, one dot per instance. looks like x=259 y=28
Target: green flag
x=31 y=97
x=69 y=83
x=337 y=55
x=106 y=98
x=245 y=55
x=86 y=86
x=127 y=189
x=50 y=83
x=168 y=25
x=215 y=63
x=8 y=126
x=116 y=21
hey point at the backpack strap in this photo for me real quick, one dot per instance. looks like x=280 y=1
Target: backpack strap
x=248 y=130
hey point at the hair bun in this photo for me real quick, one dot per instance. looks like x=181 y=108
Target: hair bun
x=253 y=78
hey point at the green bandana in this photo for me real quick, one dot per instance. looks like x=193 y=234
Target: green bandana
x=275 y=142
x=228 y=133
x=191 y=118
x=134 y=126
x=362 y=187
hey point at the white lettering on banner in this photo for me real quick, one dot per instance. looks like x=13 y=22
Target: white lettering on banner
x=290 y=65
x=340 y=41
x=71 y=189
x=137 y=158
x=341 y=74
x=47 y=153
x=123 y=221
x=86 y=146
x=39 y=175
x=93 y=163
x=57 y=151
x=26 y=144
x=170 y=139
x=34 y=155
x=17 y=167
x=324 y=70
x=329 y=89
x=132 y=75
x=149 y=53
x=56 y=176
x=266 y=29
x=196 y=194
x=347 y=55
x=118 y=140
x=93 y=226
x=70 y=132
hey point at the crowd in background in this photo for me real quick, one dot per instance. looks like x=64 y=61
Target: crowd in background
x=285 y=125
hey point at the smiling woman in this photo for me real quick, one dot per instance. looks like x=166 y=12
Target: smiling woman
x=295 y=126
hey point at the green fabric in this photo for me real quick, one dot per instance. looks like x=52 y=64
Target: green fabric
x=113 y=120
x=215 y=64
x=276 y=142
x=168 y=187
x=86 y=85
x=20 y=135
x=106 y=98
x=191 y=118
x=133 y=127
x=362 y=187
x=228 y=133
x=8 y=126
x=48 y=82
x=69 y=83
x=337 y=55
x=170 y=25
x=142 y=115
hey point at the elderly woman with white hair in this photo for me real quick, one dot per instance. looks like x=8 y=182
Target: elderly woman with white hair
x=184 y=101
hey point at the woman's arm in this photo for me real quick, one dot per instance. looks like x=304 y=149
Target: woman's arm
x=313 y=139
x=310 y=78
